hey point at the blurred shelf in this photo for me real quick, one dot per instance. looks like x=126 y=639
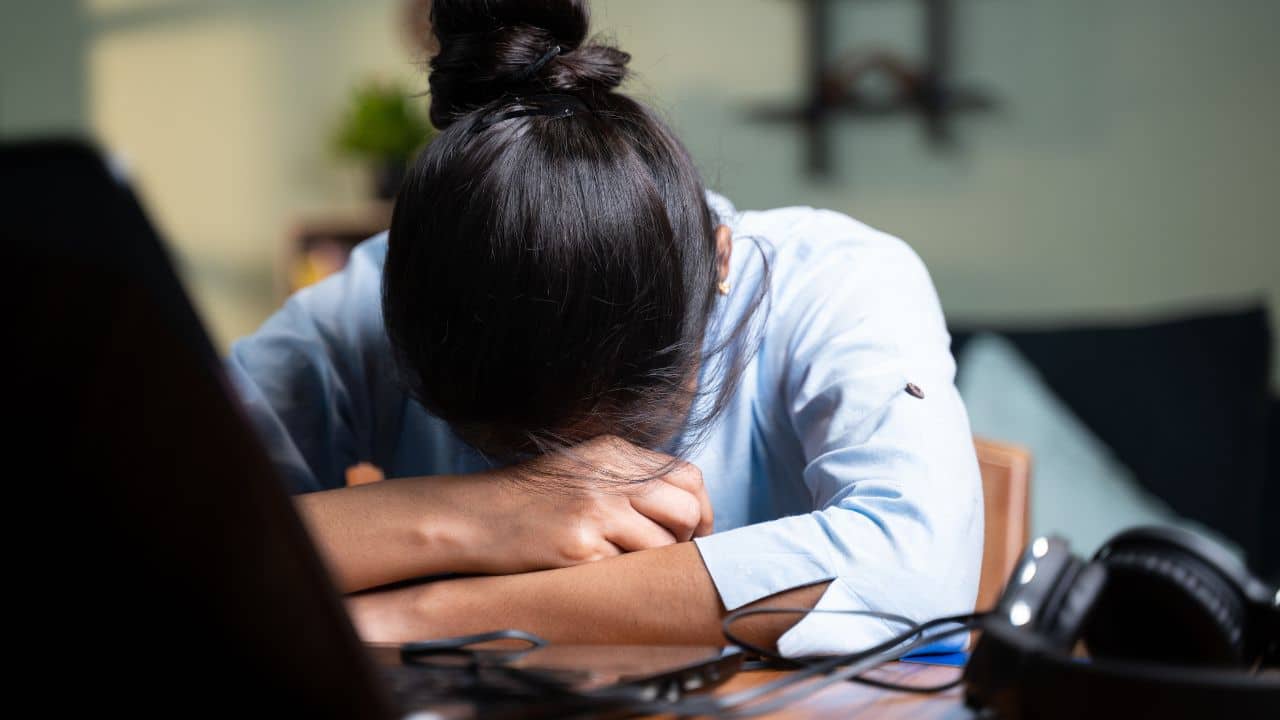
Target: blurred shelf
x=317 y=247
x=836 y=86
x=959 y=101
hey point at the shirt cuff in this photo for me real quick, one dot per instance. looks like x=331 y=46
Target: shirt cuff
x=754 y=562
x=833 y=634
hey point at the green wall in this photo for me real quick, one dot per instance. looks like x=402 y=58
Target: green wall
x=42 y=67
x=1131 y=170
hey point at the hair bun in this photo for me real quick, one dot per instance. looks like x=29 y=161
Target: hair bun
x=488 y=47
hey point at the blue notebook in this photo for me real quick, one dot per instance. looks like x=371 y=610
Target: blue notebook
x=952 y=659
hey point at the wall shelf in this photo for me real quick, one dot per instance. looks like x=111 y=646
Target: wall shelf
x=835 y=86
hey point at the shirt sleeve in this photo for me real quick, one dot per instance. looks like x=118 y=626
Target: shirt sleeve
x=307 y=376
x=897 y=519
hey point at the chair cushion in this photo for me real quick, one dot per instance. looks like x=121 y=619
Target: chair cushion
x=1183 y=404
x=1079 y=489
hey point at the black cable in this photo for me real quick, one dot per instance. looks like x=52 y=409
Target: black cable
x=750 y=665
x=712 y=706
x=727 y=624
x=816 y=667
x=836 y=669
x=623 y=701
x=968 y=624
x=853 y=670
x=903 y=687
x=430 y=652
x=785 y=662
x=965 y=626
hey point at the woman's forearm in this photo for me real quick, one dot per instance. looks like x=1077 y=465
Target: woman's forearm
x=494 y=523
x=660 y=596
x=387 y=532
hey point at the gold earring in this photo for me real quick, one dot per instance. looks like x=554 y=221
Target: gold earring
x=724 y=287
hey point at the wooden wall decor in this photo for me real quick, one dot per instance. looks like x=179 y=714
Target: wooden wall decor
x=876 y=84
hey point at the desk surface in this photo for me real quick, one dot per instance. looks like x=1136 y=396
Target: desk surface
x=852 y=700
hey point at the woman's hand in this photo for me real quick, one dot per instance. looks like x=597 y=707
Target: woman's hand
x=554 y=511
x=577 y=507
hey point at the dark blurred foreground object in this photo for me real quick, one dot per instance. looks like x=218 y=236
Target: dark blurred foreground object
x=1173 y=627
x=1185 y=404
x=166 y=572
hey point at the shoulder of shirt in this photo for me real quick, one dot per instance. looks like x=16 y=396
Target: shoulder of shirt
x=372 y=251
x=813 y=249
x=829 y=273
x=345 y=309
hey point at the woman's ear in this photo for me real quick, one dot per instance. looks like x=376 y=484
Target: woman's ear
x=724 y=251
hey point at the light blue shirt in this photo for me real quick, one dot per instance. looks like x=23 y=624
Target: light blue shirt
x=822 y=467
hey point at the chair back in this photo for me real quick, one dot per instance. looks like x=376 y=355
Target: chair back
x=1006 y=491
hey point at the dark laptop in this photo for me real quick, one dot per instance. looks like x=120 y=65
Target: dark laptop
x=158 y=560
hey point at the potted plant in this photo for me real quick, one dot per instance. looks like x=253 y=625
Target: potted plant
x=384 y=126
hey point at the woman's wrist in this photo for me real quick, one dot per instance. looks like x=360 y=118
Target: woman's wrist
x=435 y=610
x=398 y=530
x=396 y=616
x=457 y=521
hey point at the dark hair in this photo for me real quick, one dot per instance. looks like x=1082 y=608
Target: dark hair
x=551 y=269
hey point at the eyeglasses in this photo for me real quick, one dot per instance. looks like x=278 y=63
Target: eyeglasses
x=467 y=651
x=470 y=663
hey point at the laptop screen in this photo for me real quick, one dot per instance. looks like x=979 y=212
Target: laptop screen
x=163 y=557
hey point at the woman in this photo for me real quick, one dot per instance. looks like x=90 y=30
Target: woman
x=575 y=361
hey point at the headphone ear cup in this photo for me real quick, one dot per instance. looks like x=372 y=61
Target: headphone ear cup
x=1072 y=610
x=1163 y=604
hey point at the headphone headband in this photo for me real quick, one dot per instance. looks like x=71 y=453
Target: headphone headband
x=1211 y=552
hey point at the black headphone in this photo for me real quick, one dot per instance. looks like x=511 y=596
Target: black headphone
x=1173 y=627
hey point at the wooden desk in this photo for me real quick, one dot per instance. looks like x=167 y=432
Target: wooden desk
x=849 y=701
x=845 y=700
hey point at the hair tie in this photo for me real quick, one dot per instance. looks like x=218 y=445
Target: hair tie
x=537 y=65
x=553 y=106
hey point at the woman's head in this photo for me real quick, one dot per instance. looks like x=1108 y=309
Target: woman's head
x=552 y=263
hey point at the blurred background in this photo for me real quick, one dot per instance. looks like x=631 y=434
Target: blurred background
x=1093 y=184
